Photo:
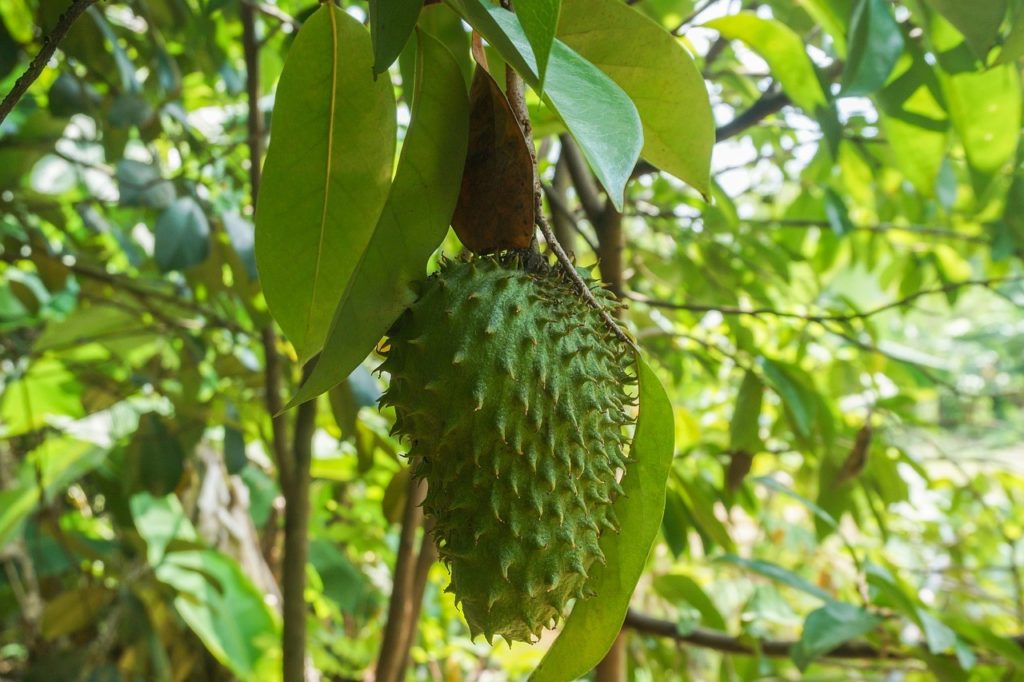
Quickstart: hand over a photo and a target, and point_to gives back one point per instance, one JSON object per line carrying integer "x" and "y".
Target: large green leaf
{"x": 657, "y": 73}
{"x": 413, "y": 223}
{"x": 875, "y": 44}
{"x": 599, "y": 115}
{"x": 985, "y": 107}
{"x": 391, "y": 25}
{"x": 784, "y": 51}
{"x": 214, "y": 597}
{"x": 540, "y": 21}
{"x": 828, "y": 627}
{"x": 593, "y": 624}
{"x": 979, "y": 22}
{"x": 326, "y": 176}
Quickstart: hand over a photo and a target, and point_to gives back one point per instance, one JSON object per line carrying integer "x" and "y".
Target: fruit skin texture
{"x": 512, "y": 394}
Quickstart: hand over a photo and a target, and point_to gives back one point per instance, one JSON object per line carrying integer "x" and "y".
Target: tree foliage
{"x": 814, "y": 214}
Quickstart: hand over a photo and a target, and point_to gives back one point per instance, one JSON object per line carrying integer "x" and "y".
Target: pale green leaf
{"x": 979, "y": 22}
{"x": 413, "y": 223}
{"x": 326, "y": 176}
{"x": 783, "y": 49}
{"x": 779, "y": 574}
{"x": 593, "y": 624}
{"x": 798, "y": 398}
{"x": 599, "y": 115}
{"x": 657, "y": 73}
{"x": 682, "y": 589}
{"x": 743, "y": 428}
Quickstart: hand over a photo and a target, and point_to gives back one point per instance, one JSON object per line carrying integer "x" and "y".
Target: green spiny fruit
{"x": 512, "y": 394}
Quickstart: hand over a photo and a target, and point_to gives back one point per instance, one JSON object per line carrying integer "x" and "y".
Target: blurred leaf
{"x": 391, "y": 26}
{"x": 600, "y": 116}
{"x": 73, "y": 610}
{"x": 783, "y": 49}
{"x": 678, "y": 588}
{"x": 978, "y": 22}
{"x": 796, "y": 396}
{"x": 240, "y": 232}
{"x": 495, "y": 209}
{"x": 657, "y": 72}
{"x": 140, "y": 184}
{"x": 593, "y": 624}
{"x": 828, "y": 627}
{"x": 158, "y": 454}
{"x": 875, "y": 43}
{"x": 779, "y": 574}
{"x": 182, "y": 236}
{"x": 229, "y": 617}
{"x": 343, "y": 583}
{"x": 744, "y": 427}
{"x": 412, "y": 224}
{"x": 322, "y": 193}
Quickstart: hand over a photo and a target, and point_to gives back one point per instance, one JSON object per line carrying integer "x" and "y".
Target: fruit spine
{"x": 513, "y": 396}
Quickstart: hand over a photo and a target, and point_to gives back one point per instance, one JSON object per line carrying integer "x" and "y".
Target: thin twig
{"x": 38, "y": 63}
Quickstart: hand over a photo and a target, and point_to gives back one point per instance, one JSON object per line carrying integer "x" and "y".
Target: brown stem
{"x": 38, "y": 63}
{"x": 398, "y": 631}
{"x": 296, "y": 542}
{"x": 426, "y": 559}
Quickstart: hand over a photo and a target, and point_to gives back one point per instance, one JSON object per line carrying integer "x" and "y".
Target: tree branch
{"x": 771, "y": 102}
{"x": 38, "y": 63}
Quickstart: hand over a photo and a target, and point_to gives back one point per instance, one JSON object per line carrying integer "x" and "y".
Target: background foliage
{"x": 838, "y": 328}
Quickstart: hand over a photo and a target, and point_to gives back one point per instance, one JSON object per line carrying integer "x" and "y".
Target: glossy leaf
{"x": 412, "y": 224}
{"x": 828, "y": 627}
{"x": 598, "y": 114}
{"x": 326, "y": 176}
{"x": 182, "y": 236}
{"x": 539, "y": 19}
{"x": 495, "y": 210}
{"x": 593, "y": 624}
{"x": 391, "y": 26}
{"x": 657, "y": 73}
{"x": 875, "y": 43}
{"x": 783, "y": 49}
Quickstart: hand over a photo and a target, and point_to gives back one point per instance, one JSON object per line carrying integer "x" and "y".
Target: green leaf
{"x": 797, "y": 398}
{"x": 326, "y": 176}
{"x": 599, "y": 115}
{"x": 743, "y": 428}
{"x": 875, "y": 43}
{"x": 593, "y": 624}
{"x": 913, "y": 117}
{"x": 214, "y": 597}
{"x": 818, "y": 512}
{"x": 778, "y": 574}
{"x": 658, "y": 74}
{"x": 828, "y": 627}
{"x": 682, "y": 589}
{"x": 783, "y": 49}
{"x": 391, "y": 25}
{"x": 978, "y": 21}
{"x": 140, "y": 184}
{"x": 182, "y": 236}
{"x": 412, "y": 224}
{"x": 539, "y": 19}
{"x": 985, "y": 107}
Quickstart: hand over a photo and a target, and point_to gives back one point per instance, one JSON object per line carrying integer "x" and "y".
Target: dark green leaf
{"x": 140, "y": 184}
{"x": 412, "y": 224}
{"x": 343, "y": 583}
{"x": 326, "y": 176}
{"x": 798, "y": 398}
{"x": 391, "y": 26}
{"x": 875, "y": 43}
{"x": 539, "y": 19}
{"x": 182, "y": 236}
{"x": 837, "y": 214}
{"x": 828, "y": 627}
{"x": 593, "y": 624}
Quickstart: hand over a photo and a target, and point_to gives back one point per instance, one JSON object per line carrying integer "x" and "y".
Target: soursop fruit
{"x": 514, "y": 398}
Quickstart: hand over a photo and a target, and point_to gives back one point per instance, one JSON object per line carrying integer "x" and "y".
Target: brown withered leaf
{"x": 495, "y": 207}
{"x": 855, "y": 462}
